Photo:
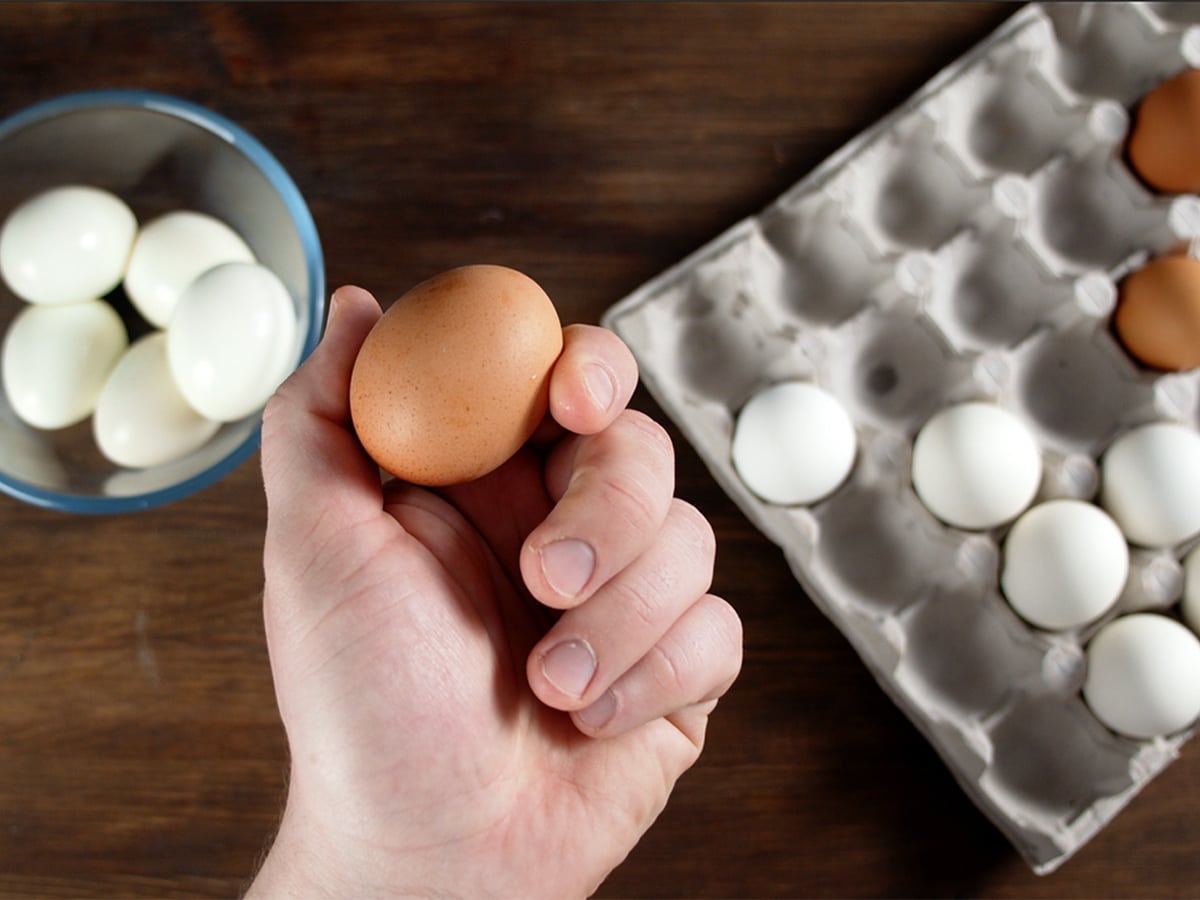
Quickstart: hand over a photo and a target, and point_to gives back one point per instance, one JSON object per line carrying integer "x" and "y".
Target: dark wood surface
{"x": 591, "y": 146}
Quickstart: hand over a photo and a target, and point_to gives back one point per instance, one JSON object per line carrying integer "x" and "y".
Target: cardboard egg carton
{"x": 968, "y": 246}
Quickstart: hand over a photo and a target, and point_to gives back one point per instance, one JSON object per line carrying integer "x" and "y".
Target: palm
{"x": 421, "y": 666}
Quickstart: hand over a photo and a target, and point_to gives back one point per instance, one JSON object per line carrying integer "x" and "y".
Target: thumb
{"x": 314, "y": 471}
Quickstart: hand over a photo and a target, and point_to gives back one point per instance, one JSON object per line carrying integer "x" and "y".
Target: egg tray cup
{"x": 966, "y": 247}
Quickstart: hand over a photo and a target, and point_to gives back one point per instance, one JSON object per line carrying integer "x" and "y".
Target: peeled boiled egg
{"x": 1165, "y": 133}
{"x": 141, "y": 417}
{"x": 66, "y": 245}
{"x": 1150, "y": 483}
{"x": 1143, "y": 675}
{"x": 170, "y": 252}
{"x": 454, "y": 377}
{"x": 56, "y": 359}
{"x": 1065, "y": 564}
{"x": 975, "y": 465}
{"x": 793, "y": 443}
{"x": 1158, "y": 313}
{"x": 232, "y": 340}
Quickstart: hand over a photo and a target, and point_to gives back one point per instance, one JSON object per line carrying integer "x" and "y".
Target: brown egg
{"x": 455, "y": 376}
{"x": 1158, "y": 313}
{"x": 1166, "y": 133}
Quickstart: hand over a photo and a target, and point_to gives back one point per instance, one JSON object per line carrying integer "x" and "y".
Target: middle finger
{"x": 594, "y": 643}
{"x": 611, "y": 492}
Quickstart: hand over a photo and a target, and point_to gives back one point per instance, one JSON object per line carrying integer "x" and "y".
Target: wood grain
{"x": 592, "y": 146}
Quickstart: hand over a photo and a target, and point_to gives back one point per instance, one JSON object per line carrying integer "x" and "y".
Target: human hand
{"x": 488, "y": 689}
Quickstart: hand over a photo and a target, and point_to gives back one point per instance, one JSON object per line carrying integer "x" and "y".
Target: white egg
{"x": 232, "y": 340}
{"x": 1190, "y": 602}
{"x": 793, "y": 443}
{"x": 170, "y": 252}
{"x": 1065, "y": 564}
{"x": 56, "y": 359}
{"x": 141, "y": 417}
{"x": 1150, "y": 483}
{"x": 1143, "y": 675}
{"x": 66, "y": 245}
{"x": 975, "y": 465}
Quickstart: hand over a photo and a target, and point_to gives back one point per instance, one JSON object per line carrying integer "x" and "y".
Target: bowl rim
{"x": 240, "y": 139}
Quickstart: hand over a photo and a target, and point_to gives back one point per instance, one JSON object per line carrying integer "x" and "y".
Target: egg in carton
{"x": 966, "y": 248}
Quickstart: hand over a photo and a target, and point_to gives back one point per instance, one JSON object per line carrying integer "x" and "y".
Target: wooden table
{"x": 591, "y": 146}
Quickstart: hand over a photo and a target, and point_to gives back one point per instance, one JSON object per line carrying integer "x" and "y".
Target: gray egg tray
{"x": 968, "y": 246}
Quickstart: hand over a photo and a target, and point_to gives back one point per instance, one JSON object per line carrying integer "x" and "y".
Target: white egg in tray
{"x": 964, "y": 255}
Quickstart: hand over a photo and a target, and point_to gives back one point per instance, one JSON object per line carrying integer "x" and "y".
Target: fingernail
{"x": 569, "y": 666}
{"x": 600, "y": 385}
{"x": 568, "y": 565}
{"x": 599, "y": 713}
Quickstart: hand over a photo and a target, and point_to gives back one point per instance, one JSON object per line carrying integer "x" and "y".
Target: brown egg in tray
{"x": 931, "y": 337}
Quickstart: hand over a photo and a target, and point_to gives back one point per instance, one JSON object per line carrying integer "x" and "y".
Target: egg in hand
{"x": 455, "y": 376}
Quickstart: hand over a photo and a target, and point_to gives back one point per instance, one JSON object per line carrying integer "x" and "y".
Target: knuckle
{"x": 633, "y": 503}
{"x": 728, "y": 627}
{"x": 692, "y": 534}
{"x": 669, "y": 675}
{"x": 697, "y": 530}
{"x": 641, "y": 493}
{"x": 705, "y": 661}
{"x": 643, "y": 601}
{"x": 649, "y": 433}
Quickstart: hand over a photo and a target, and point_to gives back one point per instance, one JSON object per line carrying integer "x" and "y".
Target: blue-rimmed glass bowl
{"x": 157, "y": 153}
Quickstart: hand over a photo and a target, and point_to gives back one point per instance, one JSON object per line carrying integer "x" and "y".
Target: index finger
{"x": 590, "y": 386}
{"x": 593, "y": 379}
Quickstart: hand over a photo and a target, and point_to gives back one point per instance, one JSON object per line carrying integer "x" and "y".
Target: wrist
{"x": 304, "y": 861}
{"x": 292, "y": 867}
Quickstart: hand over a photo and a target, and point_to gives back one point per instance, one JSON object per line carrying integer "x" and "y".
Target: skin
{"x": 489, "y": 689}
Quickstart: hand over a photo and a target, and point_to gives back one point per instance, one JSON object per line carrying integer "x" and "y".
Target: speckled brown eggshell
{"x": 455, "y": 376}
{"x": 1166, "y": 133}
{"x": 1158, "y": 313}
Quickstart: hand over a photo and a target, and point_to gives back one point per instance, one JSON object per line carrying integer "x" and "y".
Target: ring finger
{"x": 683, "y": 676}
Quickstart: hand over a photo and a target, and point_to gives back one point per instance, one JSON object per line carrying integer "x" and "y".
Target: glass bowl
{"x": 158, "y": 154}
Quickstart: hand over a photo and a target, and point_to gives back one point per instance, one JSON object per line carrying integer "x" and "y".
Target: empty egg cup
{"x": 159, "y": 154}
